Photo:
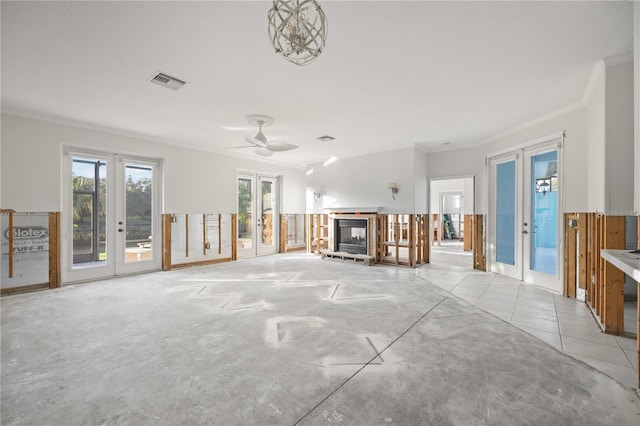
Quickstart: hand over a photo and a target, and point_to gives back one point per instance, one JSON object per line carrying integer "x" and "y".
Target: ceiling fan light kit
{"x": 297, "y": 30}
{"x": 262, "y": 145}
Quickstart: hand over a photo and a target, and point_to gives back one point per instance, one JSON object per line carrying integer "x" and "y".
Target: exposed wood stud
{"x": 55, "y": 275}
{"x": 479, "y": 259}
{"x": 468, "y": 232}
{"x": 613, "y": 315}
{"x": 220, "y": 233}
{"x": 570, "y": 257}
{"x": 234, "y": 236}
{"x": 582, "y": 250}
{"x": 204, "y": 234}
{"x": 186, "y": 235}
{"x": 10, "y": 244}
{"x": 166, "y": 242}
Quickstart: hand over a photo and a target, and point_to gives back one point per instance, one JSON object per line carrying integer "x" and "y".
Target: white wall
{"x": 194, "y": 181}
{"x": 421, "y": 182}
{"x": 636, "y": 73}
{"x": 619, "y": 157}
{"x": 462, "y": 185}
{"x": 471, "y": 161}
{"x": 596, "y": 142}
{"x": 361, "y": 182}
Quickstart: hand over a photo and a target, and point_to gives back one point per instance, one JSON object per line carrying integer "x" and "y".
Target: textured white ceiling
{"x": 393, "y": 73}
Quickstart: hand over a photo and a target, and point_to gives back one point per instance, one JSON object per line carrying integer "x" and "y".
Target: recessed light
{"x": 446, "y": 143}
{"x": 309, "y": 172}
{"x": 325, "y": 138}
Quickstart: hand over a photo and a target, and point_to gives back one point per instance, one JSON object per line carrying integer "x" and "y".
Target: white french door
{"x": 258, "y": 215}
{"x": 525, "y": 211}
{"x": 505, "y": 198}
{"x": 111, "y": 215}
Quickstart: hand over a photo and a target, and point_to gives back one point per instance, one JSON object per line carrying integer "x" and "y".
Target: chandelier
{"x": 297, "y": 30}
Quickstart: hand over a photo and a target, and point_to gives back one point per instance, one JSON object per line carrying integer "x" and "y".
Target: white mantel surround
{"x": 368, "y": 213}
{"x": 354, "y": 210}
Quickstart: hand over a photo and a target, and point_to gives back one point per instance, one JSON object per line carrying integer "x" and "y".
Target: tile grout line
{"x": 558, "y": 322}
{"x": 369, "y": 362}
{"x": 625, "y": 354}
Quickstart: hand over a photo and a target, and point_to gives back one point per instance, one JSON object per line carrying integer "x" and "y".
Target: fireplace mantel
{"x": 354, "y": 210}
{"x": 364, "y": 214}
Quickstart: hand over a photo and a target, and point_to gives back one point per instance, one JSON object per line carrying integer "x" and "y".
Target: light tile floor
{"x": 566, "y": 324}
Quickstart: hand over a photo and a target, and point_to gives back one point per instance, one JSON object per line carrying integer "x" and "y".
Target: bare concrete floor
{"x": 287, "y": 339}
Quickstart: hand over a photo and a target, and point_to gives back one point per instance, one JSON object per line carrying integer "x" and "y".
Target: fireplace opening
{"x": 351, "y": 236}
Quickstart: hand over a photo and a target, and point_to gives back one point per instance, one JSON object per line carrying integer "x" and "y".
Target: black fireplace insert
{"x": 351, "y": 235}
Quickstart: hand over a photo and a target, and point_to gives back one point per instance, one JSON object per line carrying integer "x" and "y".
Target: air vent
{"x": 325, "y": 138}
{"x": 167, "y": 81}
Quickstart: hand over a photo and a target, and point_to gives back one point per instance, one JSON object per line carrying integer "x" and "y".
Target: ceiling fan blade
{"x": 280, "y": 146}
{"x": 264, "y": 152}
{"x": 238, "y": 147}
{"x": 254, "y": 141}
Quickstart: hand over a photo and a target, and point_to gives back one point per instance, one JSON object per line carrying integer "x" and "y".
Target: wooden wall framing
{"x": 317, "y": 232}
{"x": 167, "y": 263}
{"x": 284, "y": 234}
{"x": 584, "y": 268}
{"x": 613, "y": 303}
{"x": 406, "y": 234}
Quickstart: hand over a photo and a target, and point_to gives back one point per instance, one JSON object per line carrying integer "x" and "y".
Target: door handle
{"x": 120, "y": 230}
{"x": 525, "y": 232}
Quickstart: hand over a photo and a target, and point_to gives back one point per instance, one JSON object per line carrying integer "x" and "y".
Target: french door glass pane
{"x": 267, "y": 213}
{"x": 245, "y": 213}
{"x": 139, "y": 212}
{"x": 544, "y": 211}
{"x": 506, "y": 212}
{"x": 89, "y": 210}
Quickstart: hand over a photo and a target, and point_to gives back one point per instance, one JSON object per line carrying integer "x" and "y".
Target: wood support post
{"x": 10, "y": 244}
{"x": 284, "y": 231}
{"x": 601, "y": 262}
{"x": 613, "y": 317}
{"x": 234, "y": 236}
{"x": 55, "y": 275}
{"x": 186, "y": 235}
{"x": 583, "y": 226}
{"x": 479, "y": 260}
{"x": 569, "y": 287}
{"x": 468, "y": 232}
{"x": 166, "y": 242}
{"x": 592, "y": 257}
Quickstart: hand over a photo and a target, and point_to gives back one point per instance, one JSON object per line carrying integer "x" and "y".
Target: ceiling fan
{"x": 262, "y": 145}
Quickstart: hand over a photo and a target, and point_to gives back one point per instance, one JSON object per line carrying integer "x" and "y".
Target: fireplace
{"x": 351, "y": 236}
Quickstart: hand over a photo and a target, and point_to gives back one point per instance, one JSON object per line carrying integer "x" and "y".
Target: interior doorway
{"x": 258, "y": 213}
{"x": 451, "y": 208}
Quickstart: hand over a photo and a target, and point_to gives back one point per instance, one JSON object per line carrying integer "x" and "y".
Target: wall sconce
{"x": 316, "y": 195}
{"x": 174, "y": 218}
{"x": 393, "y": 186}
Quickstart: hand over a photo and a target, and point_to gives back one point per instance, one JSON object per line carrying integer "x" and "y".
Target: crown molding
{"x": 618, "y": 59}
{"x": 597, "y": 70}
{"x": 136, "y": 136}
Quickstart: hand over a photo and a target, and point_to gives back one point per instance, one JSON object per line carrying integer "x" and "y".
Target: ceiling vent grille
{"x": 167, "y": 81}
